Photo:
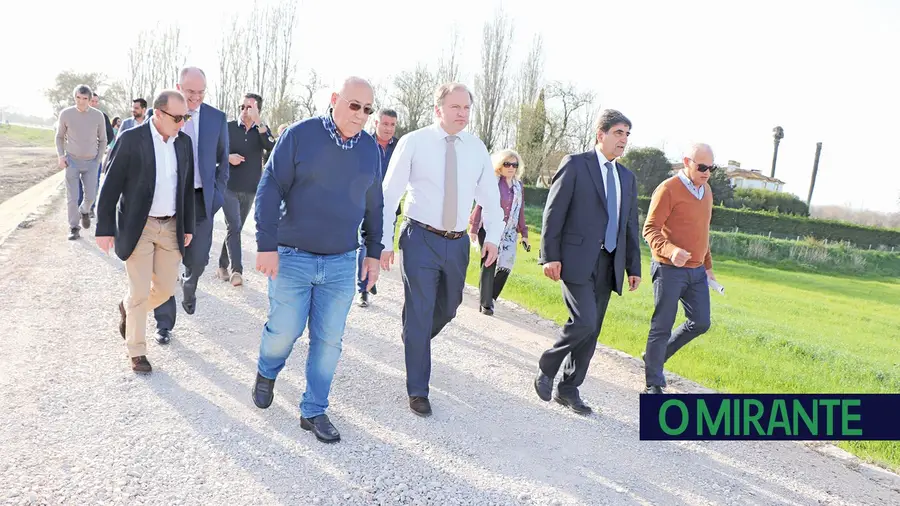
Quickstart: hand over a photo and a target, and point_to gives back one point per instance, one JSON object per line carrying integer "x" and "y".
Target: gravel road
{"x": 78, "y": 427}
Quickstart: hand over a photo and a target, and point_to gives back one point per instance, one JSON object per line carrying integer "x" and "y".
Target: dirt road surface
{"x": 78, "y": 427}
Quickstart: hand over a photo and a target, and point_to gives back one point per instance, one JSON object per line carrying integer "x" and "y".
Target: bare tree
{"x": 307, "y": 103}
{"x": 233, "y": 69}
{"x": 155, "y": 61}
{"x": 448, "y": 66}
{"x": 491, "y": 86}
{"x": 531, "y": 73}
{"x": 413, "y": 94}
{"x": 585, "y": 132}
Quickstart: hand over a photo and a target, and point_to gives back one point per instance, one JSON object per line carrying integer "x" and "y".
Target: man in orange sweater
{"x": 677, "y": 230}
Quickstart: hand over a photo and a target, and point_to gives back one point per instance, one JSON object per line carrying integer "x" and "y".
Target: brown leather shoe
{"x": 140, "y": 364}
{"x": 122, "y": 317}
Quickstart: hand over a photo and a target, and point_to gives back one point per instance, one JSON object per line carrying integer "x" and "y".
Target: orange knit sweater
{"x": 677, "y": 219}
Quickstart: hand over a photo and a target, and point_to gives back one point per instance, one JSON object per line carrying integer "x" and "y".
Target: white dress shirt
{"x": 192, "y": 128}
{"x": 166, "y": 175}
{"x": 602, "y": 159}
{"x": 417, "y": 167}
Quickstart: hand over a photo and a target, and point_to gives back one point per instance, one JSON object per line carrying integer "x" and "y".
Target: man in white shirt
{"x": 444, "y": 169}
{"x": 146, "y": 209}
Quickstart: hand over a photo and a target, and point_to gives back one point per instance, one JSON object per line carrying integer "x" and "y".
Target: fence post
{"x": 770, "y": 234}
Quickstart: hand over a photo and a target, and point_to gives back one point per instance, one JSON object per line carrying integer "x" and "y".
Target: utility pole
{"x": 812, "y": 182}
{"x": 778, "y": 135}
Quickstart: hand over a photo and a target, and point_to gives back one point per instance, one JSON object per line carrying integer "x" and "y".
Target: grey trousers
{"x": 85, "y": 173}
{"x": 670, "y": 285}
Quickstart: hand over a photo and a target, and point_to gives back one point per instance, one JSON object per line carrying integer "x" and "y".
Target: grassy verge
{"x": 27, "y": 137}
{"x": 775, "y": 330}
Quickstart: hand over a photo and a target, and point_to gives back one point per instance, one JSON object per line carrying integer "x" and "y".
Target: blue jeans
{"x": 314, "y": 288}
{"x": 360, "y": 256}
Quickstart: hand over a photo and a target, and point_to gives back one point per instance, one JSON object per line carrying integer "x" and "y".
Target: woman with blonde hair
{"x": 508, "y": 167}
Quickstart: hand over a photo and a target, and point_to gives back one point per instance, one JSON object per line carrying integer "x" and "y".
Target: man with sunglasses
{"x": 249, "y": 138}
{"x": 208, "y": 129}
{"x": 677, "y": 230}
{"x": 327, "y": 173}
{"x": 146, "y": 210}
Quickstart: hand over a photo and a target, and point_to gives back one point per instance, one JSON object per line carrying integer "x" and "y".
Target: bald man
{"x": 327, "y": 171}
{"x": 677, "y": 230}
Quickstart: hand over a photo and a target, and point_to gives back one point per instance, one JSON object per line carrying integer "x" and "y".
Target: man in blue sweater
{"x": 327, "y": 172}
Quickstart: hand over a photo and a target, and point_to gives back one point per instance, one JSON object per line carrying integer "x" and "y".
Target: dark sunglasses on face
{"x": 355, "y": 106}
{"x": 178, "y": 118}
{"x": 703, "y": 167}
{"x": 514, "y": 165}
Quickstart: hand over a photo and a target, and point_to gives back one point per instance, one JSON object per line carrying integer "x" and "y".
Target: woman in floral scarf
{"x": 508, "y": 168}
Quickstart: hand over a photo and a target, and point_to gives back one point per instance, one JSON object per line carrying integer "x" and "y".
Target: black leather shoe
{"x": 122, "y": 318}
{"x": 573, "y": 400}
{"x": 74, "y": 234}
{"x": 163, "y": 336}
{"x": 263, "y": 391}
{"x": 374, "y": 290}
{"x": 654, "y": 389}
{"x": 487, "y": 311}
{"x": 189, "y": 305}
{"x": 543, "y": 385}
{"x": 420, "y": 406}
{"x": 322, "y": 427}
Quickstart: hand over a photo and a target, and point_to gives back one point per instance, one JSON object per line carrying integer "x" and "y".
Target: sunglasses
{"x": 703, "y": 167}
{"x": 177, "y": 117}
{"x": 355, "y": 106}
{"x": 514, "y": 165}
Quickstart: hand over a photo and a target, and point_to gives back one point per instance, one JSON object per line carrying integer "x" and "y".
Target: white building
{"x": 751, "y": 179}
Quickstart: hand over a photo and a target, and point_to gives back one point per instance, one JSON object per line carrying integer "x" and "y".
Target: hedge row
{"x": 774, "y": 224}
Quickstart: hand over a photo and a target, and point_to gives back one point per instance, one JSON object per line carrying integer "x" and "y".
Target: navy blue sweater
{"x": 327, "y": 192}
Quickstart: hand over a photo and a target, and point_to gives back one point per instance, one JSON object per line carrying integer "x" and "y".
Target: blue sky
{"x": 724, "y": 73}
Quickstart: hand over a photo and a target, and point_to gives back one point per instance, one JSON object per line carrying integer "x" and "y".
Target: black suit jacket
{"x": 127, "y": 193}
{"x": 575, "y": 220}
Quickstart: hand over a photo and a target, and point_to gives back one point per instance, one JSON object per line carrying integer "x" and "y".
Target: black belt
{"x": 442, "y": 233}
{"x": 163, "y": 218}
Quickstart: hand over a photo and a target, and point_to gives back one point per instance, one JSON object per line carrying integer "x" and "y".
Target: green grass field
{"x": 774, "y": 331}
{"x": 27, "y": 137}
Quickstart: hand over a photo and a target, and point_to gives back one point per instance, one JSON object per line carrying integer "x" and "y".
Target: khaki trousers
{"x": 152, "y": 275}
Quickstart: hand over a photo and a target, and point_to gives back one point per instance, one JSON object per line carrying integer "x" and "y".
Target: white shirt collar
{"x": 602, "y": 158}
{"x": 158, "y": 135}
{"x": 442, "y": 134}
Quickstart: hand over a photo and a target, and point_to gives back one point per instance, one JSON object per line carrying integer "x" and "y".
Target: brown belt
{"x": 442, "y": 233}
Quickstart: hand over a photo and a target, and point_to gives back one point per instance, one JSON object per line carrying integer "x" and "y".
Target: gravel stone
{"x": 72, "y": 412}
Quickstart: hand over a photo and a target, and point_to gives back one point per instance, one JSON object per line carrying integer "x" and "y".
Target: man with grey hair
{"x": 146, "y": 211}
{"x": 677, "y": 230}
{"x": 443, "y": 169}
{"x": 80, "y": 143}
{"x": 208, "y": 131}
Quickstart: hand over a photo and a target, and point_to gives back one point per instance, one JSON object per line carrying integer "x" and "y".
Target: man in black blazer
{"x": 146, "y": 208}
{"x": 590, "y": 239}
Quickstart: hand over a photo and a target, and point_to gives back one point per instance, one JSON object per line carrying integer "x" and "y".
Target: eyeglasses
{"x": 355, "y": 106}
{"x": 514, "y": 165}
{"x": 703, "y": 167}
{"x": 178, "y": 118}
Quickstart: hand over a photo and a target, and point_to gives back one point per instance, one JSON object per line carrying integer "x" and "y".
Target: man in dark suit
{"x": 590, "y": 238}
{"x": 146, "y": 209}
{"x": 208, "y": 130}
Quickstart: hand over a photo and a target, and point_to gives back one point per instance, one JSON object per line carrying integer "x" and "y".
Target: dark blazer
{"x": 127, "y": 193}
{"x": 212, "y": 156}
{"x": 575, "y": 220}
